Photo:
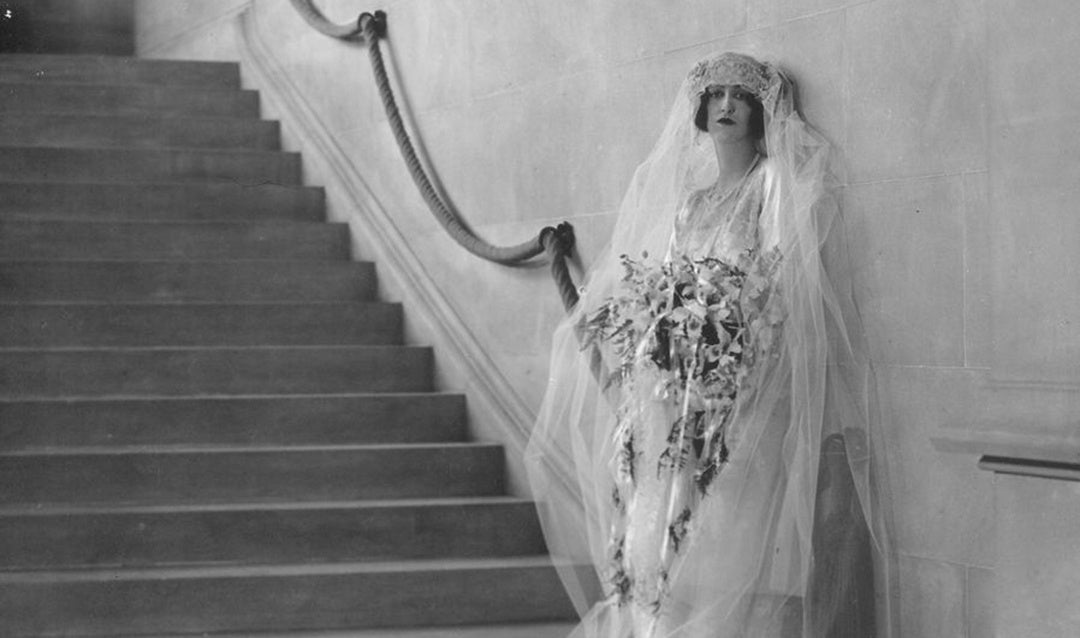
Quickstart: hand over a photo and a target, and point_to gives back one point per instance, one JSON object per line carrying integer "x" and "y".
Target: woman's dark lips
{"x": 725, "y": 120}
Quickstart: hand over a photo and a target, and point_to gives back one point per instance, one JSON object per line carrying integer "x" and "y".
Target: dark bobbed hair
{"x": 757, "y": 115}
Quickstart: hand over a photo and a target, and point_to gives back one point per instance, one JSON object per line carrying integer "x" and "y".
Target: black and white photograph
{"x": 539, "y": 319}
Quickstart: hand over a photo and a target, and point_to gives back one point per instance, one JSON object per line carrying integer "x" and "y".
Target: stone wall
{"x": 956, "y": 120}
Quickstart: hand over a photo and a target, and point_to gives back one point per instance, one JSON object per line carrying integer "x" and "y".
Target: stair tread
{"x": 141, "y": 154}
{"x": 175, "y": 201}
{"x": 138, "y": 117}
{"x": 127, "y": 99}
{"x": 129, "y": 240}
{"x": 137, "y": 130}
{"x": 517, "y": 630}
{"x": 162, "y": 450}
{"x": 194, "y": 262}
{"x": 255, "y": 303}
{"x": 148, "y": 151}
{"x": 270, "y": 419}
{"x": 230, "y": 397}
{"x": 9, "y": 510}
{"x": 213, "y": 370}
{"x": 247, "y": 166}
{"x": 143, "y": 280}
{"x": 149, "y": 184}
{"x": 138, "y": 186}
{"x": 214, "y": 348}
{"x": 177, "y": 223}
{"x": 99, "y": 84}
{"x": 279, "y": 570}
{"x": 69, "y": 84}
{"x": 9, "y": 60}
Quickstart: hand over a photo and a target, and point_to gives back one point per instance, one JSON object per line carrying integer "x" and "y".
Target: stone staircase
{"x": 208, "y": 423}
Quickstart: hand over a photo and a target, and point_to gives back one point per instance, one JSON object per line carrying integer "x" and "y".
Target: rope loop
{"x": 314, "y": 17}
{"x": 372, "y": 25}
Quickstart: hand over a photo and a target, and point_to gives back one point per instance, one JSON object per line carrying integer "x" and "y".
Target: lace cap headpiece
{"x": 731, "y": 68}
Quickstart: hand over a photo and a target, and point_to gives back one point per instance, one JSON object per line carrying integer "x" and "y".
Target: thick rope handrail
{"x": 449, "y": 221}
{"x": 316, "y": 19}
{"x": 556, "y": 242}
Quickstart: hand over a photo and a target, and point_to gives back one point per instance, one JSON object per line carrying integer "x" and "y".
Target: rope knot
{"x": 372, "y": 25}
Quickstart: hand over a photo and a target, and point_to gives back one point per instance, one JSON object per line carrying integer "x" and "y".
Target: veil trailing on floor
{"x": 791, "y": 538}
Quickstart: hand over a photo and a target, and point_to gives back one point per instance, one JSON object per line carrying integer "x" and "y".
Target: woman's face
{"x": 729, "y": 113}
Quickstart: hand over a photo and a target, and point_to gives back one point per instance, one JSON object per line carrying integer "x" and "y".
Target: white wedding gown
{"x": 728, "y": 533}
{"x": 759, "y": 550}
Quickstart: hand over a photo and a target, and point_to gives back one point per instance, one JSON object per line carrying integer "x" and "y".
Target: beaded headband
{"x": 730, "y": 68}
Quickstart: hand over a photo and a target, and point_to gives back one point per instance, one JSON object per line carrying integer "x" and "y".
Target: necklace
{"x": 717, "y": 197}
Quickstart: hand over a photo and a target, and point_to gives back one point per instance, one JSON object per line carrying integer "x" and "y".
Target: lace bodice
{"x": 718, "y": 224}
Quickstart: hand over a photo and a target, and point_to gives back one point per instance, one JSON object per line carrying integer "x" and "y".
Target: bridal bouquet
{"x": 685, "y": 331}
{"x": 701, "y": 322}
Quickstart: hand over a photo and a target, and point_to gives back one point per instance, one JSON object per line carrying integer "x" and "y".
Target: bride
{"x": 704, "y": 450}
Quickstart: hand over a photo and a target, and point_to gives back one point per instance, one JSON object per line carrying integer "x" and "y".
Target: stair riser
{"x": 180, "y": 377}
{"x": 236, "y": 421}
{"x": 199, "y": 325}
{"x": 442, "y": 597}
{"x": 151, "y": 202}
{"x": 194, "y": 477}
{"x": 122, "y": 165}
{"x": 560, "y": 629}
{"x": 203, "y": 372}
{"x": 73, "y": 36}
{"x": 73, "y": 131}
{"x": 270, "y": 536}
{"x": 161, "y": 282}
{"x": 127, "y": 100}
{"x": 114, "y": 70}
{"x": 131, "y": 241}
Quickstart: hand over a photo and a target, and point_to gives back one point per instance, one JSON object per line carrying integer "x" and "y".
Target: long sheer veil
{"x": 777, "y": 557}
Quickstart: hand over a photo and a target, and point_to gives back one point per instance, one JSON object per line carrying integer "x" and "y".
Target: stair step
{"x": 148, "y": 165}
{"x": 134, "y": 99}
{"x": 283, "y": 598}
{"x": 146, "y": 131}
{"x": 192, "y": 281}
{"x": 67, "y": 240}
{"x": 162, "y": 476}
{"x": 206, "y": 423}
{"x": 74, "y": 35}
{"x": 124, "y": 372}
{"x": 266, "y": 420}
{"x": 105, "y": 69}
{"x": 104, "y": 537}
{"x": 152, "y": 202}
{"x": 516, "y": 630}
{"x": 128, "y": 325}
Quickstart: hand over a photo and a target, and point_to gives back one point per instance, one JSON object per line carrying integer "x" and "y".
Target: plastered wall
{"x": 957, "y": 120}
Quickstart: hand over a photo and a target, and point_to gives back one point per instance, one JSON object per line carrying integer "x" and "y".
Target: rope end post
{"x": 372, "y": 25}
{"x": 558, "y": 239}
{"x": 557, "y": 243}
